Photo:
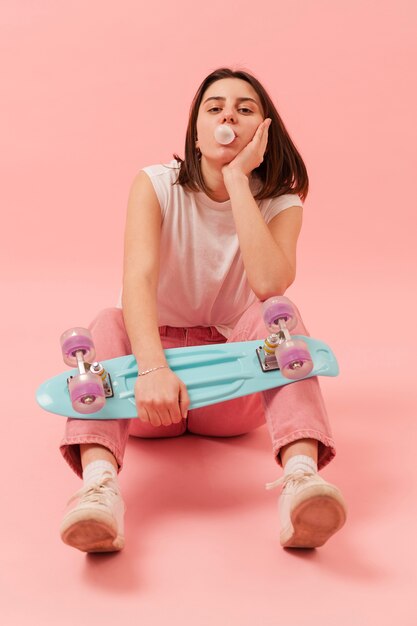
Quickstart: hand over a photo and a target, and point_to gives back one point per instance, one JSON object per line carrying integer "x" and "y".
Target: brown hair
{"x": 282, "y": 169}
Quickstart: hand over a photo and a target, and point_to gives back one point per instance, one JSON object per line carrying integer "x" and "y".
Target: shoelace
{"x": 96, "y": 492}
{"x": 296, "y": 478}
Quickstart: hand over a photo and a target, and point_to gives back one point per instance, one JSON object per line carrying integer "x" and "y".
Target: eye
{"x": 243, "y": 109}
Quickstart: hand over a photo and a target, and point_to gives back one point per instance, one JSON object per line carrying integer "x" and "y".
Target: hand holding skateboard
{"x": 211, "y": 373}
{"x": 161, "y": 398}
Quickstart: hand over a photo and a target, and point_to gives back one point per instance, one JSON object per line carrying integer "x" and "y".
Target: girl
{"x": 207, "y": 239}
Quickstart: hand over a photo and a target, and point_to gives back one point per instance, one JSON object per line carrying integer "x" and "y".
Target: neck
{"x": 213, "y": 177}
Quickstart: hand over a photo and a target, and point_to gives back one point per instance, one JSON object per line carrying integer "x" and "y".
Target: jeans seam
{"x": 81, "y": 439}
{"x": 328, "y": 442}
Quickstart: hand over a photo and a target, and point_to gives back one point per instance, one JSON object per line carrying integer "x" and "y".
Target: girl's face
{"x": 232, "y": 101}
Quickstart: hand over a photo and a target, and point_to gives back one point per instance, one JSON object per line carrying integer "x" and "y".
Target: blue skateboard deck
{"x": 212, "y": 373}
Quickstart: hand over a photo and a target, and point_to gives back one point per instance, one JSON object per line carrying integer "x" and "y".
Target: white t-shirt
{"x": 202, "y": 280}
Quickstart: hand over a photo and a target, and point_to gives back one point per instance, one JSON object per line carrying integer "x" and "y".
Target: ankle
{"x": 304, "y": 447}
{"x": 91, "y": 452}
{"x": 96, "y": 471}
{"x": 301, "y": 463}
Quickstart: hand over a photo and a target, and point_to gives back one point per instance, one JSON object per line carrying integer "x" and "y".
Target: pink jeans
{"x": 294, "y": 411}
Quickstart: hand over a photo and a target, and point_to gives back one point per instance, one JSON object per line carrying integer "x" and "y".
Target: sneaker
{"x": 95, "y": 524}
{"x": 310, "y": 510}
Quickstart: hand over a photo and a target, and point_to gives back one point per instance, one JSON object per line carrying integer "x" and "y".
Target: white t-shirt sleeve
{"x": 276, "y": 205}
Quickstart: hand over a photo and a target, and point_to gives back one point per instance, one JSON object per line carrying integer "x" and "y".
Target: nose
{"x": 228, "y": 117}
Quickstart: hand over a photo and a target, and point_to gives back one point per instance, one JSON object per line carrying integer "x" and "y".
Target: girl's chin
{"x": 218, "y": 161}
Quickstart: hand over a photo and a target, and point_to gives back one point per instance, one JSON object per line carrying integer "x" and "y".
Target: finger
{"x": 175, "y": 413}
{"x": 154, "y": 417}
{"x": 171, "y": 414}
{"x": 261, "y": 132}
{"x": 184, "y": 401}
{"x": 168, "y": 411}
{"x": 258, "y": 133}
{"x": 141, "y": 411}
{"x": 264, "y": 141}
{"x": 265, "y": 126}
{"x": 143, "y": 416}
{"x": 165, "y": 416}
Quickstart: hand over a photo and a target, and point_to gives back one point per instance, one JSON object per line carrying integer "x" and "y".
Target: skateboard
{"x": 212, "y": 373}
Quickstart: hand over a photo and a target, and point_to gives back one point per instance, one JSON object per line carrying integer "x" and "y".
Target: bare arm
{"x": 161, "y": 397}
{"x": 141, "y": 271}
{"x": 268, "y": 250}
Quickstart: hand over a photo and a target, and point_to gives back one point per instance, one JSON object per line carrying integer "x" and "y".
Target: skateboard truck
{"x": 94, "y": 368}
{"x": 98, "y": 369}
{"x": 266, "y": 353}
{"x": 89, "y": 388}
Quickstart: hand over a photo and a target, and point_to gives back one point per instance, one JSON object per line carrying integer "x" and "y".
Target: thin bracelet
{"x": 152, "y": 370}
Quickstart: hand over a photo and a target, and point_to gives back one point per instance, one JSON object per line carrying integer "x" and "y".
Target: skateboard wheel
{"x": 86, "y": 393}
{"x": 279, "y": 307}
{"x": 294, "y": 359}
{"x": 76, "y": 339}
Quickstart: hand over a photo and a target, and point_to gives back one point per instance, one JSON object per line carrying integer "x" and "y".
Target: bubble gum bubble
{"x": 224, "y": 134}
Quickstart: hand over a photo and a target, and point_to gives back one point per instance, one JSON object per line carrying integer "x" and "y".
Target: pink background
{"x": 90, "y": 93}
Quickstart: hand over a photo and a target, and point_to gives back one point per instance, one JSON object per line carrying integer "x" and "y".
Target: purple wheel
{"x": 76, "y": 339}
{"x": 294, "y": 359}
{"x": 86, "y": 393}
{"x": 279, "y": 307}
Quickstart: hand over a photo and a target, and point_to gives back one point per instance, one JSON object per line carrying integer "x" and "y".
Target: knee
{"x": 109, "y": 334}
{"x": 108, "y": 318}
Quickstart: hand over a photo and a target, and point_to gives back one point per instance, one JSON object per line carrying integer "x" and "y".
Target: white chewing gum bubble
{"x": 224, "y": 134}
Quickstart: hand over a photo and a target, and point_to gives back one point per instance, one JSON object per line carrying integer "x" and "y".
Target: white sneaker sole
{"x": 91, "y": 532}
{"x": 314, "y": 519}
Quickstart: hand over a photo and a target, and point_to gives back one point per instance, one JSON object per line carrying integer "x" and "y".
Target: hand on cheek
{"x": 251, "y": 156}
